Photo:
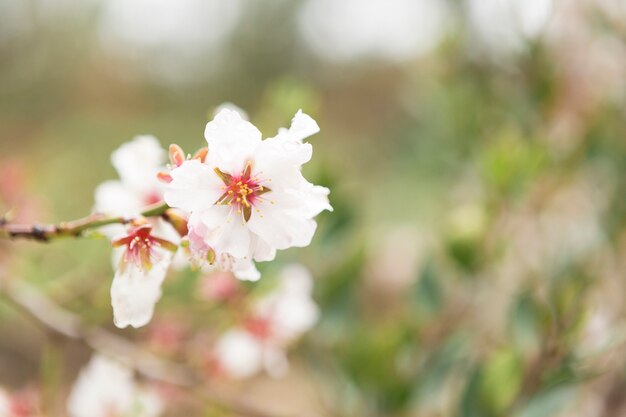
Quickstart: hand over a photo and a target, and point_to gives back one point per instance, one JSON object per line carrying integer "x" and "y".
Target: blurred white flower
{"x": 106, "y": 388}
{"x": 505, "y": 25}
{"x": 239, "y": 354}
{"x": 276, "y": 321}
{"x": 171, "y": 38}
{"x": 388, "y": 29}
{"x": 137, "y": 162}
{"x": 249, "y": 198}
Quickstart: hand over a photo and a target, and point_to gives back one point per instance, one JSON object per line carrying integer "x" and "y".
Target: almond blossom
{"x": 137, "y": 283}
{"x": 137, "y": 162}
{"x": 106, "y": 388}
{"x": 249, "y": 198}
{"x": 275, "y": 322}
{"x": 144, "y": 253}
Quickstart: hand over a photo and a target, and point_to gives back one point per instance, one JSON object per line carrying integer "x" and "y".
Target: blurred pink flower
{"x": 276, "y": 321}
{"x": 219, "y": 286}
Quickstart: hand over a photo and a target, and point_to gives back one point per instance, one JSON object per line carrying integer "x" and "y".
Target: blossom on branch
{"x": 248, "y": 198}
{"x": 143, "y": 253}
{"x": 137, "y": 283}
{"x": 137, "y": 162}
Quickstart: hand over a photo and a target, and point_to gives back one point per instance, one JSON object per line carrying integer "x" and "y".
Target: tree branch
{"x": 75, "y": 228}
{"x": 53, "y": 319}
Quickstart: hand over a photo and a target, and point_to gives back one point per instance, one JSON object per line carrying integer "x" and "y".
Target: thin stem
{"x": 74, "y": 228}
{"x": 52, "y": 319}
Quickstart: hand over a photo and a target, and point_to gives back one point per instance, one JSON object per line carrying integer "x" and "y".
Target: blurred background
{"x": 475, "y": 151}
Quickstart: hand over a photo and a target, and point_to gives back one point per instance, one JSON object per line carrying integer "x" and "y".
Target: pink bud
{"x": 177, "y": 156}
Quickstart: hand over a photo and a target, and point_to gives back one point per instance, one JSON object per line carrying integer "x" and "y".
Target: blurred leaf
{"x": 510, "y": 162}
{"x": 502, "y": 377}
{"x": 526, "y": 323}
{"x": 471, "y": 404}
{"x": 549, "y": 403}
{"x": 427, "y": 293}
{"x": 438, "y": 366}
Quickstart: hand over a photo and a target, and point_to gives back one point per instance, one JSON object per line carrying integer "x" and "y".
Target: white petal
{"x": 302, "y": 126}
{"x": 239, "y": 354}
{"x": 135, "y": 291}
{"x": 278, "y": 162}
{"x": 245, "y": 270}
{"x": 103, "y": 387}
{"x": 261, "y": 250}
{"x": 315, "y": 199}
{"x": 138, "y": 161}
{"x": 281, "y": 228}
{"x": 231, "y": 140}
{"x": 194, "y": 187}
{"x": 227, "y": 232}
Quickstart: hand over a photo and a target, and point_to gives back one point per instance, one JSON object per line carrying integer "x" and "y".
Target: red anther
{"x": 140, "y": 246}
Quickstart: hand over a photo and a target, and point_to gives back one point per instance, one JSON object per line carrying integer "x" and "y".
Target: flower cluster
{"x": 248, "y": 198}
{"x": 236, "y": 201}
{"x": 273, "y": 323}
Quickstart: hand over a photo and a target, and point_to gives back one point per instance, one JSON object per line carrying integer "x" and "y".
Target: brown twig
{"x": 55, "y": 320}
{"x": 75, "y": 228}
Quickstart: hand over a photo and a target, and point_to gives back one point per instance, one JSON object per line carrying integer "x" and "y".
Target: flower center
{"x": 140, "y": 246}
{"x": 241, "y": 191}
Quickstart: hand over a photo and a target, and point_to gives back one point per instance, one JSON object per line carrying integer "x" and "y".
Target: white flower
{"x": 136, "y": 286}
{"x": 277, "y": 320}
{"x": 137, "y": 162}
{"x": 106, "y": 388}
{"x": 393, "y": 30}
{"x": 506, "y": 25}
{"x": 173, "y": 44}
{"x": 137, "y": 283}
{"x": 249, "y": 194}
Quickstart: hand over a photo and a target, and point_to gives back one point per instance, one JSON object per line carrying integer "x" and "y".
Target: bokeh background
{"x": 476, "y": 156}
